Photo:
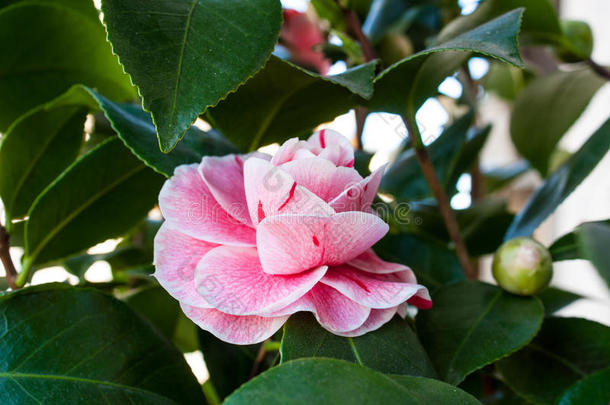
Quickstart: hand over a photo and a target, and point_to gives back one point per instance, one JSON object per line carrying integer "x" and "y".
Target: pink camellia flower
{"x": 301, "y": 35}
{"x": 249, "y": 240}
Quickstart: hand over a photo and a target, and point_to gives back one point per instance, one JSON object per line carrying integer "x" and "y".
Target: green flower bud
{"x": 522, "y": 266}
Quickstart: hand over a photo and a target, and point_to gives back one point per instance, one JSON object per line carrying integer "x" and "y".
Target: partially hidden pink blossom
{"x": 250, "y": 239}
{"x": 302, "y": 37}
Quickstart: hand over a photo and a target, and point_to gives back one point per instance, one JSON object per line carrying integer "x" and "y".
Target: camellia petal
{"x": 188, "y": 205}
{"x": 371, "y": 263}
{"x": 239, "y": 330}
{"x": 271, "y": 191}
{"x": 377, "y": 318}
{"x": 378, "y": 291}
{"x": 232, "y": 280}
{"x": 290, "y": 244}
{"x": 176, "y": 256}
{"x": 360, "y": 196}
{"x": 224, "y": 176}
{"x": 322, "y": 177}
{"x": 341, "y": 152}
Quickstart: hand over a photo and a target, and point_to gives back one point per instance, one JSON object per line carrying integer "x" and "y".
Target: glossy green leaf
{"x": 546, "y": 109}
{"x": 404, "y": 178}
{"x": 186, "y": 55}
{"x": 62, "y": 344}
{"x": 555, "y": 299}
{"x": 473, "y": 324}
{"x": 87, "y": 205}
{"x": 157, "y": 306}
{"x": 433, "y": 262}
{"x": 561, "y": 183}
{"x": 62, "y": 47}
{"x": 229, "y": 365}
{"x": 283, "y": 101}
{"x": 34, "y": 151}
{"x": 329, "y": 381}
{"x": 403, "y": 87}
{"x": 565, "y": 350}
{"x": 591, "y": 390}
{"x": 391, "y": 349}
{"x": 134, "y": 127}
{"x": 540, "y": 22}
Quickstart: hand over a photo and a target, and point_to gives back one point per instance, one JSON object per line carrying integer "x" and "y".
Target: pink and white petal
{"x": 421, "y": 300}
{"x": 238, "y": 330}
{"x": 271, "y": 191}
{"x": 289, "y": 150}
{"x": 371, "y": 263}
{"x": 328, "y": 139}
{"x": 224, "y": 176}
{"x": 321, "y": 176}
{"x": 232, "y": 280}
{"x": 403, "y": 310}
{"x": 371, "y": 290}
{"x": 376, "y": 320}
{"x": 360, "y": 196}
{"x": 290, "y": 244}
{"x": 175, "y": 259}
{"x": 335, "y": 312}
{"x": 187, "y": 204}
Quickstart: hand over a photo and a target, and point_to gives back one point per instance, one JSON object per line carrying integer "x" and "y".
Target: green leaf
{"x": 62, "y": 344}
{"x": 434, "y": 263}
{"x": 186, "y": 55}
{"x": 561, "y": 183}
{"x": 568, "y": 247}
{"x": 553, "y": 299}
{"x": 540, "y": 22}
{"x": 102, "y": 195}
{"x": 34, "y": 151}
{"x": 594, "y": 242}
{"x": 473, "y": 324}
{"x": 329, "y": 381}
{"x": 591, "y": 390}
{"x": 62, "y": 47}
{"x": 403, "y": 87}
{"x": 135, "y": 128}
{"x": 85, "y": 7}
{"x": 157, "y": 306}
{"x": 546, "y": 109}
{"x": 229, "y": 365}
{"x": 565, "y": 350}
{"x": 504, "y": 80}
{"x": 283, "y": 101}
{"x": 404, "y": 178}
{"x": 392, "y": 349}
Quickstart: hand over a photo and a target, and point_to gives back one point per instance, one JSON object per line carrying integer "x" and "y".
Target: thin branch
{"x": 260, "y": 356}
{"x": 353, "y": 23}
{"x": 361, "y": 114}
{"x": 7, "y": 261}
{"x": 599, "y": 69}
{"x": 441, "y": 198}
